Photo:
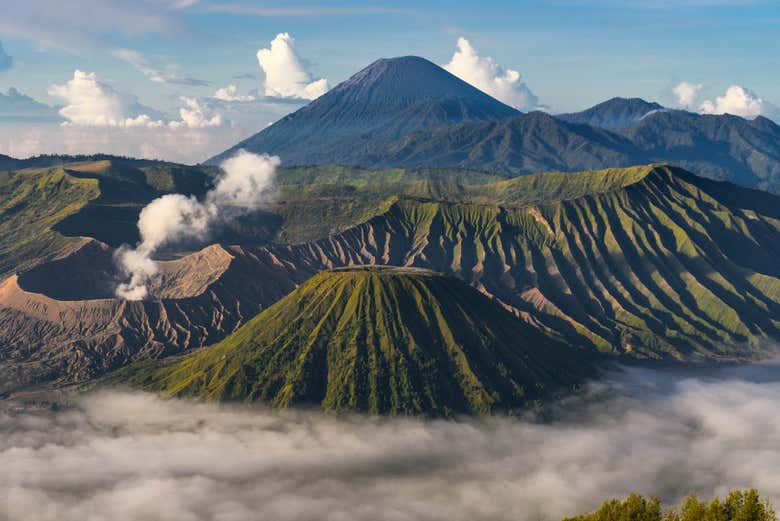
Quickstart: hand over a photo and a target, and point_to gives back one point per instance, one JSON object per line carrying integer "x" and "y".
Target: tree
{"x": 739, "y": 506}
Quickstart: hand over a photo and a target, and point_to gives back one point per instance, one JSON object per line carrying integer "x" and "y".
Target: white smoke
{"x": 127, "y": 457}
{"x": 245, "y": 184}
{"x": 167, "y": 219}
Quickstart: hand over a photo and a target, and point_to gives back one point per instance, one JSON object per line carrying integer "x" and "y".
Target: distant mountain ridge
{"x": 727, "y": 148}
{"x": 615, "y": 114}
{"x": 519, "y": 145}
{"x": 722, "y": 147}
{"x": 8, "y": 163}
{"x": 408, "y": 112}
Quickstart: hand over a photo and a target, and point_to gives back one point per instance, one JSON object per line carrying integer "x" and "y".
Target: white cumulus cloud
{"x": 173, "y": 142}
{"x": 486, "y": 75}
{"x": 738, "y": 101}
{"x": 197, "y": 114}
{"x": 687, "y": 93}
{"x": 89, "y": 101}
{"x": 285, "y": 74}
{"x": 92, "y": 102}
{"x": 230, "y": 93}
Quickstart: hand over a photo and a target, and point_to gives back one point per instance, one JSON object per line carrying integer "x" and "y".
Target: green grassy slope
{"x": 125, "y": 188}
{"x": 43, "y": 207}
{"x": 380, "y": 340}
{"x": 315, "y": 202}
{"x": 312, "y": 202}
{"x": 31, "y": 202}
{"x": 354, "y": 176}
{"x": 656, "y": 263}
{"x": 647, "y": 261}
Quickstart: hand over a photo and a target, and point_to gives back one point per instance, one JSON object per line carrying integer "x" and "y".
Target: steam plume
{"x": 245, "y": 184}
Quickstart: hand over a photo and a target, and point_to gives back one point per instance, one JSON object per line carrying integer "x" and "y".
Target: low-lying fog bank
{"x": 123, "y": 456}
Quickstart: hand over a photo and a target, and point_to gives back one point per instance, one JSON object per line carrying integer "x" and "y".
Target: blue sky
{"x": 570, "y": 53}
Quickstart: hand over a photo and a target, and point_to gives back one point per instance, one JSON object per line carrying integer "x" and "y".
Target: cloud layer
{"x": 179, "y": 143}
{"x": 132, "y": 456}
{"x": 183, "y": 145}
{"x": 489, "y": 77}
{"x": 16, "y": 106}
{"x": 102, "y": 119}
{"x": 285, "y": 74}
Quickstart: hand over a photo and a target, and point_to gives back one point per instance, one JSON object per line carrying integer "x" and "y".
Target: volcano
{"x": 385, "y": 101}
{"x": 381, "y": 340}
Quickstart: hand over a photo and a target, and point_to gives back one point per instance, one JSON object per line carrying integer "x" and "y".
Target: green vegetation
{"x": 353, "y": 176}
{"x": 312, "y": 202}
{"x": 43, "y": 208}
{"x": 738, "y": 506}
{"x": 556, "y": 186}
{"x": 126, "y": 186}
{"x": 379, "y": 340}
{"x": 315, "y": 202}
{"x": 655, "y": 263}
{"x": 649, "y": 262}
{"x": 31, "y": 203}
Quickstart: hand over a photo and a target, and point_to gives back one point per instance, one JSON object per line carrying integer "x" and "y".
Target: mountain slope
{"x": 380, "y": 340}
{"x": 44, "y": 208}
{"x": 408, "y": 112}
{"x": 519, "y": 145}
{"x": 650, "y": 262}
{"x": 384, "y": 101}
{"x": 8, "y": 163}
{"x": 32, "y": 203}
{"x": 723, "y": 147}
{"x": 615, "y": 114}
{"x": 645, "y": 262}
